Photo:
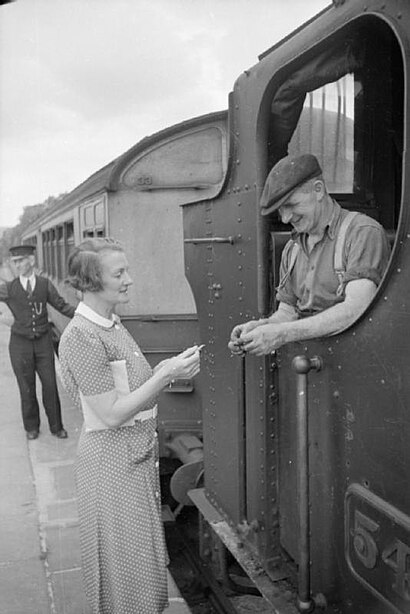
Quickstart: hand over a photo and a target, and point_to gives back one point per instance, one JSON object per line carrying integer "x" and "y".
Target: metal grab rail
{"x": 302, "y": 365}
{"x": 195, "y": 240}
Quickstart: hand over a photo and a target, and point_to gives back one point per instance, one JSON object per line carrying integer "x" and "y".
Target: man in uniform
{"x": 31, "y": 348}
{"x": 314, "y": 299}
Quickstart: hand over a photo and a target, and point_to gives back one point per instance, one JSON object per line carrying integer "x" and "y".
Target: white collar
{"x": 86, "y": 311}
{"x": 24, "y": 281}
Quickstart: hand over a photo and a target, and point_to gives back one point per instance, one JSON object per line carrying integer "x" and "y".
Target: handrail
{"x": 194, "y": 240}
{"x": 302, "y": 365}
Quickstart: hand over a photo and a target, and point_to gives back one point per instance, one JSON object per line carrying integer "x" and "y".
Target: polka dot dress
{"x": 123, "y": 550}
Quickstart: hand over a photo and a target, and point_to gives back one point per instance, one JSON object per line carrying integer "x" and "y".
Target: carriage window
{"x": 93, "y": 220}
{"x": 326, "y": 129}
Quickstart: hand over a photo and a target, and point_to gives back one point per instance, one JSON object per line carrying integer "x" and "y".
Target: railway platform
{"x": 39, "y": 543}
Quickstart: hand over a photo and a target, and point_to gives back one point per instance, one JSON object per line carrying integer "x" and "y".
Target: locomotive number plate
{"x": 377, "y": 547}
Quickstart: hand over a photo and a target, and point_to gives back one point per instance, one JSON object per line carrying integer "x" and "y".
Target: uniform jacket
{"x": 30, "y": 313}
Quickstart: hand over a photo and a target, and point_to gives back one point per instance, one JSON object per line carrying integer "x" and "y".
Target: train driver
{"x": 316, "y": 296}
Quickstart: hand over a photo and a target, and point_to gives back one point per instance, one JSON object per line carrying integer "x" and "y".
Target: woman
{"x": 122, "y": 544}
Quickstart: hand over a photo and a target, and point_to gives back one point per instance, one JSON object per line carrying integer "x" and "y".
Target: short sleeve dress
{"x": 123, "y": 550}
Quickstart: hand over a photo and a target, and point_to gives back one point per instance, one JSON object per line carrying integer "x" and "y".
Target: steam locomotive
{"x": 316, "y": 497}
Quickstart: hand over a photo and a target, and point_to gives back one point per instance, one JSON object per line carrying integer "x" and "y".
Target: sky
{"x": 82, "y": 81}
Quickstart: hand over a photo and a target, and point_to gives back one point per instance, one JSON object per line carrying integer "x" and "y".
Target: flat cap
{"x": 287, "y": 175}
{"x": 20, "y": 251}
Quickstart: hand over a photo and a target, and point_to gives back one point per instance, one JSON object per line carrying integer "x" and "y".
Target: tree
{"x": 12, "y": 236}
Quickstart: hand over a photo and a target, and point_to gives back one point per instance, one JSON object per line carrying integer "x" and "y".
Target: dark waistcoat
{"x": 30, "y": 313}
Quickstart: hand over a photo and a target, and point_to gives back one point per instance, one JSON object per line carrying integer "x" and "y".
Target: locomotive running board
{"x": 264, "y": 583}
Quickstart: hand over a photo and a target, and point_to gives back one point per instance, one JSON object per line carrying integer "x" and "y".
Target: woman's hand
{"x": 183, "y": 366}
{"x": 160, "y": 365}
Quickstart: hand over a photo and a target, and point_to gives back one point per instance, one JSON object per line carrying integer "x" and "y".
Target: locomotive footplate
{"x": 268, "y": 588}
{"x": 377, "y": 547}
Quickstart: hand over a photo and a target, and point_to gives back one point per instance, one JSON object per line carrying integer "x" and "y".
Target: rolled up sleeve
{"x": 367, "y": 253}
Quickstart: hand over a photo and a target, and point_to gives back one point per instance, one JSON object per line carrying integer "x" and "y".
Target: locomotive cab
{"x": 335, "y": 88}
{"x": 354, "y": 125}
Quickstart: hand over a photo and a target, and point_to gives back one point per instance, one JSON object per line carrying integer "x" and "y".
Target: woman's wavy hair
{"x": 84, "y": 263}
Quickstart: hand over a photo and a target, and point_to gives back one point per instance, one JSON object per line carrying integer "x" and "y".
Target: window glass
{"x": 99, "y": 214}
{"x": 89, "y": 216}
{"x": 70, "y": 231}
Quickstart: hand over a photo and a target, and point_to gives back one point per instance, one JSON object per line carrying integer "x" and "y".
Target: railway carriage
{"x": 311, "y": 497}
{"x": 136, "y": 199}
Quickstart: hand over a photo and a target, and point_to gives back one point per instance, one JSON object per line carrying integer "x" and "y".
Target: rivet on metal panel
{"x": 336, "y": 394}
{"x": 399, "y": 270}
{"x": 239, "y": 219}
{"x": 239, "y": 236}
{"x": 240, "y": 267}
{"x": 382, "y": 381}
{"x": 237, "y": 133}
{"x": 240, "y": 283}
{"x": 238, "y": 162}
{"x": 240, "y": 298}
{"x": 370, "y": 319}
{"x": 385, "y": 298}
{"x": 239, "y": 204}
{"x": 246, "y": 186}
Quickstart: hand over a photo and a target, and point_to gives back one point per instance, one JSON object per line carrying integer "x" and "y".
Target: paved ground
{"x": 39, "y": 546}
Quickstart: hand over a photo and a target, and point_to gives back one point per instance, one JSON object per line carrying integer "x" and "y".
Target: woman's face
{"x": 115, "y": 277}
